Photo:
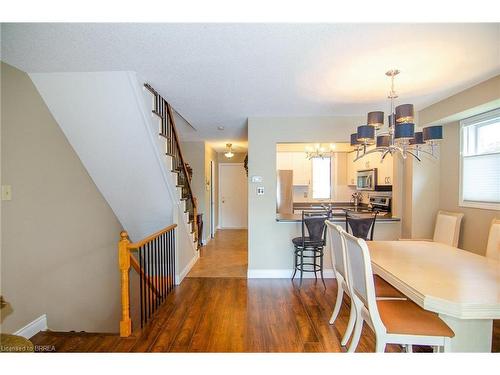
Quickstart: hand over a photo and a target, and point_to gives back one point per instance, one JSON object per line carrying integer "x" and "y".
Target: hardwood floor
{"x": 216, "y": 309}
{"x": 224, "y": 256}
{"x": 234, "y": 315}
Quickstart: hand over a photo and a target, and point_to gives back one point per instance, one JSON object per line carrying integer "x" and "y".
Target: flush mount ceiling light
{"x": 229, "y": 151}
{"x": 220, "y": 128}
{"x": 319, "y": 151}
{"x": 399, "y": 137}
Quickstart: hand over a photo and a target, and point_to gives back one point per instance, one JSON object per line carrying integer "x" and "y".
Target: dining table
{"x": 460, "y": 286}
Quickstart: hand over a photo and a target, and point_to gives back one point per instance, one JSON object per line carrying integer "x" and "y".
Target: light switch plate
{"x": 260, "y": 190}
{"x": 6, "y": 192}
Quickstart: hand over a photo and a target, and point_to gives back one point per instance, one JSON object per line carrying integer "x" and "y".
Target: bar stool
{"x": 309, "y": 250}
{"x": 361, "y": 227}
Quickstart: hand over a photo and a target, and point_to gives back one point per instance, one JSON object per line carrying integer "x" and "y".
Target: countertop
{"x": 297, "y": 218}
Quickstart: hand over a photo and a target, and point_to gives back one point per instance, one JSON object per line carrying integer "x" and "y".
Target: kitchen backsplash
{"x": 304, "y": 194}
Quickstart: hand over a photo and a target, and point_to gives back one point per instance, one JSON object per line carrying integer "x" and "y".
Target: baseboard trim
{"x": 185, "y": 271}
{"x": 285, "y": 274}
{"x": 31, "y": 329}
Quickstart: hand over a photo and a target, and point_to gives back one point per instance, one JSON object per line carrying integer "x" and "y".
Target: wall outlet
{"x": 6, "y": 192}
{"x": 260, "y": 190}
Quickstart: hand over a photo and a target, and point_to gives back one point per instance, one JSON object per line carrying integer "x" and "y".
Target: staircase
{"x": 173, "y": 152}
{"x": 125, "y": 135}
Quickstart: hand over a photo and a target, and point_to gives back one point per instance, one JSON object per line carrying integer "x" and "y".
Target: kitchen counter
{"x": 297, "y": 218}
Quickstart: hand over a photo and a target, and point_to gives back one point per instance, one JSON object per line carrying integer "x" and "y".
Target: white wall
{"x": 269, "y": 242}
{"x": 106, "y": 118}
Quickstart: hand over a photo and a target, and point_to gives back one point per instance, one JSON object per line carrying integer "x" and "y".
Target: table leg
{"x": 471, "y": 335}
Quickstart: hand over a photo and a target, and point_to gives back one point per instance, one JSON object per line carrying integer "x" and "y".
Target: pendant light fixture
{"x": 399, "y": 137}
{"x": 229, "y": 151}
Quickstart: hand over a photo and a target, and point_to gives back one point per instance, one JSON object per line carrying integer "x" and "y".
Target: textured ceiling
{"x": 221, "y": 74}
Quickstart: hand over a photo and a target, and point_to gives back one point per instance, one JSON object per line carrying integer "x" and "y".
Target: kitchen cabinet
{"x": 284, "y": 160}
{"x": 297, "y": 162}
{"x": 370, "y": 161}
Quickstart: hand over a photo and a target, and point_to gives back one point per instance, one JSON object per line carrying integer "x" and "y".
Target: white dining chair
{"x": 392, "y": 321}
{"x": 493, "y": 247}
{"x": 446, "y": 229}
{"x": 337, "y": 251}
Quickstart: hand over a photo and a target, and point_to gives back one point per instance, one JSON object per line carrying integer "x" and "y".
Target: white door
{"x": 233, "y": 192}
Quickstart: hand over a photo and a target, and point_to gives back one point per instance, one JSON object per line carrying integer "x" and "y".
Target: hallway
{"x": 224, "y": 256}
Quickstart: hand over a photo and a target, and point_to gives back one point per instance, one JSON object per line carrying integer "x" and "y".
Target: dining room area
{"x": 401, "y": 211}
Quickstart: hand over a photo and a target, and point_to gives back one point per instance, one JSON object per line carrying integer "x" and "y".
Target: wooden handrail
{"x": 162, "y": 108}
{"x": 140, "y": 243}
{"x": 156, "y": 255}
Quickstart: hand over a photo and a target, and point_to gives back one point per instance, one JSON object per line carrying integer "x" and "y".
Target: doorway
{"x": 233, "y": 193}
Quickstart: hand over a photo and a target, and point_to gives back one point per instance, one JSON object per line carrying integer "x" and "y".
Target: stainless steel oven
{"x": 366, "y": 179}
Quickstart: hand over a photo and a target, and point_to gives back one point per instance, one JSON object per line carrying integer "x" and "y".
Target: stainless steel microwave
{"x": 366, "y": 179}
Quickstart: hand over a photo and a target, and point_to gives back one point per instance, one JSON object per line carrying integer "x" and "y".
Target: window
{"x": 480, "y": 161}
{"x": 321, "y": 184}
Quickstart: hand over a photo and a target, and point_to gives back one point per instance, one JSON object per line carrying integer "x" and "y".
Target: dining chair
{"x": 392, "y": 321}
{"x": 446, "y": 229}
{"x": 493, "y": 247}
{"x": 383, "y": 289}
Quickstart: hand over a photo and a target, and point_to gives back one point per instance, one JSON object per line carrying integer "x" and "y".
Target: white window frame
{"x": 464, "y": 123}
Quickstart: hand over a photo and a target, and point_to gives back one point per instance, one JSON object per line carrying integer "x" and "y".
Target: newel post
{"x": 124, "y": 262}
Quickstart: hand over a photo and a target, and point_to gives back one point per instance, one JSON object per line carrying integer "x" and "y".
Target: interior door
{"x": 233, "y": 193}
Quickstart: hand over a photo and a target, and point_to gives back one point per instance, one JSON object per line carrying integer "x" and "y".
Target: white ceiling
{"x": 221, "y": 74}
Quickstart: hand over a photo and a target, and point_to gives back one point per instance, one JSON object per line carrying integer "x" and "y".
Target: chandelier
{"x": 399, "y": 137}
{"x": 318, "y": 151}
{"x": 229, "y": 151}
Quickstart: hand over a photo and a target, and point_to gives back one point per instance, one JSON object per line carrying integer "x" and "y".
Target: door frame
{"x": 212, "y": 199}
{"x": 219, "y": 226}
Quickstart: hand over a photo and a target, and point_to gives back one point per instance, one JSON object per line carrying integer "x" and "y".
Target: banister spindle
{"x": 124, "y": 263}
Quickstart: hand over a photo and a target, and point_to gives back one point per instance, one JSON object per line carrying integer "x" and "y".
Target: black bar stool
{"x": 309, "y": 249}
{"x": 361, "y": 227}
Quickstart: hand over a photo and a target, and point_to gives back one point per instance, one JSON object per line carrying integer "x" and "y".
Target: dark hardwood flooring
{"x": 216, "y": 309}
{"x": 233, "y": 315}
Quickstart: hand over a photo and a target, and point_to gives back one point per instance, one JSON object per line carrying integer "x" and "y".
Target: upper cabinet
{"x": 284, "y": 160}
{"x": 384, "y": 169}
{"x": 297, "y": 162}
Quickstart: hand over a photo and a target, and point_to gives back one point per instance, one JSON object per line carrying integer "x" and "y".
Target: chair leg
{"x": 380, "y": 346}
{"x": 357, "y": 333}
{"x": 338, "y": 304}
{"x": 321, "y": 269}
{"x": 350, "y": 325}
{"x": 301, "y": 266}
{"x": 294, "y": 264}
{"x": 446, "y": 348}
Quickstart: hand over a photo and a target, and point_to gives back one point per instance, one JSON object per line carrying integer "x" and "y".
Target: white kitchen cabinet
{"x": 301, "y": 169}
{"x": 370, "y": 161}
{"x": 297, "y": 162}
{"x": 384, "y": 170}
{"x": 284, "y": 160}
{"x": 351, "y": 169}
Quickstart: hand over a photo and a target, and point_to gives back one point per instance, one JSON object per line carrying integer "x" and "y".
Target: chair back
{"x": 314, "y": 221}
{"x": 447, "y": 229}
{"x": 361, "y": 227}
{"x": 360, "y": 275}
{"x": 493, "y": 247}
{"x": 337, "y": 248}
